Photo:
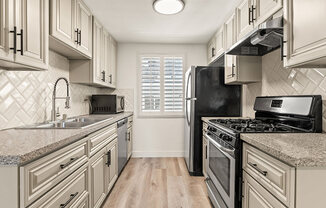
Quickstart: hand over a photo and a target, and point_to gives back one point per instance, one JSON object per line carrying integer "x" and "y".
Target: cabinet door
{"x": 106, "y": 57}
{"x": 112, "y": 165}
{"x": 263, "y": 9}
{"x": 98, "y": 71}
{"x": 243, "y": 24}
{"x": 129, "y": 142}
{"x": 113, "y": 62}
{"x": 211, "y": 50}
{"x": 62, "y": 21}
{"x": 230, "y": 32}
{"x": 6, "y": 23}
{"x": 97, "y": 178}
{"x": 230, "y": 68}
{"x": 84, "y": 24}
{"x": 304, "y": 33}
{"x": 219, "y": 42}
{"x": 255, "y": 196}
{"x": 32, "y": 25}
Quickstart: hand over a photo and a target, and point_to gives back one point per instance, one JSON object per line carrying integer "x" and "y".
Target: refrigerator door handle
{"x": 191, "y": 99}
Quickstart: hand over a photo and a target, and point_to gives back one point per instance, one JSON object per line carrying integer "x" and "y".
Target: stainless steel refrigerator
{"x": 206, "y": 95}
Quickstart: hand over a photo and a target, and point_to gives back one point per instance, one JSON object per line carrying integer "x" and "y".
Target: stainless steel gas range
{"x": 286, "y": 114}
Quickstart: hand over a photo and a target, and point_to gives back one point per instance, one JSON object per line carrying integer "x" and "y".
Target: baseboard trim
{"x": 157, "y": 154}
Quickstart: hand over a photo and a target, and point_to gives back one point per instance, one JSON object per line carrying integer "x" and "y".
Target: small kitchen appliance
{"x": 107, "y": 104}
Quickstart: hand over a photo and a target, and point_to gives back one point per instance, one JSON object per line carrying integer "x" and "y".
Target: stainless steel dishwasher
{"x": 122, "y": 143}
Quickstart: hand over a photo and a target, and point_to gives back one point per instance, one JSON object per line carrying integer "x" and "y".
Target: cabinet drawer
{"x": 41, "y": 175}
{"x": 99, "y": 139}
{"x": 130, "y": 121}
{"x": 274, "y": 175}
{"x": 72, "y": 192}
{"x": 255, "y": 196}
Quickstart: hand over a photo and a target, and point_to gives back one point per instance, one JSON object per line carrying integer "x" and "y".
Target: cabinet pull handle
{"x": 129, "y": 136}
{"x": 62, "y": 166}
{"x": 110, "y": 78}
{"x": 103, "y": 76}
{"x": 72, "y": 196}
{"x": 254, "y": 166}
{"x": 21, "y": 34}
{"x": 79, "y": 37}
{"x": 213, "y": 52}
{"x": 249, "y": 15}
{"x": 252, "y": 13}
{"x": 206, "y": 152}
{"x": 77, "y": 31}
{"x": 233, "y": 66}
{"x": 282, "y": 50}
{"x": 15, "y": 39}
{"x": 109, "y": 158}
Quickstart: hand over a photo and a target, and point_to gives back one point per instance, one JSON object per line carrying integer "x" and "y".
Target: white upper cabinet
{"x": 211, "y": 50}
{"x": 98, "y": 56}
{"x": 215, "y": 47}
{"x": 304, "y": 33}
{"x": 113, "y": 63}
{"x": 219, "y": 42}
{"x": 230, "y": 32}
{"x": 32, "y": 32}
{"x": 84, "y": 25}
{"x": 244, "y": 22}
{"x": 6, "y": 39}
{"x": 263, "y": 9}
{"x": 250, "y": 13}
{"x": 63, "y": 20}
{"x": 71, "y": 29}
{"x": 101, "y": 70}
{"x": 24, "y": 34}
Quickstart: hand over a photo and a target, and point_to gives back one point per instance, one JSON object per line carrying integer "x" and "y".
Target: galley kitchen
{"x": 162, "y": 104}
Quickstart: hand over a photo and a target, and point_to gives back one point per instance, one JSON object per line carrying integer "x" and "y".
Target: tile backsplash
{"x": 26, "y": 96}
{"x": 277, "y": 80}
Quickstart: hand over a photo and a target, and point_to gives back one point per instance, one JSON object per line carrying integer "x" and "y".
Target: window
{"x": 161, "y": 85}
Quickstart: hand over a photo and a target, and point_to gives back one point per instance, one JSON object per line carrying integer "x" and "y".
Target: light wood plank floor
{"x": 158, "y": 182}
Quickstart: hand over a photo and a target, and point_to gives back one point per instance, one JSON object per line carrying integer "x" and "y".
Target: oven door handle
{"x": 229, "y": 151}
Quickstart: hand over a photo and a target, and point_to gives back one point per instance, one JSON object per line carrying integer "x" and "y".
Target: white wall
{"x": 155, "y": 137}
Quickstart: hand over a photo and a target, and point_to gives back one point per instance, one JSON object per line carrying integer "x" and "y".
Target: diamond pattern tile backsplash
{"x": 277, "y": 80}
{"x": 26, "y": 97}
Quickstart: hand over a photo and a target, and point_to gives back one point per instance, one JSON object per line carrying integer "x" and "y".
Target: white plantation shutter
{"x": 161, "y": 85}
{"x": 173, "y": 84}
{"x": 150, "y": 84}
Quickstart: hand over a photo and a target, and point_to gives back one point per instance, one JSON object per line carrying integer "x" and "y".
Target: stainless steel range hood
{"x": 265, "y": 38}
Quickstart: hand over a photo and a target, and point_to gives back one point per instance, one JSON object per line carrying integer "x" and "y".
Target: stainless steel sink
{"x": 70, "y": 123}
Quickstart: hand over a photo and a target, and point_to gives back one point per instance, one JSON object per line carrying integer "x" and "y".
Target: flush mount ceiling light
{"x": 168, "y": 6}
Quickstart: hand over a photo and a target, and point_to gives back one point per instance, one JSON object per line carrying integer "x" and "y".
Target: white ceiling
{"x": 136, "y": 21}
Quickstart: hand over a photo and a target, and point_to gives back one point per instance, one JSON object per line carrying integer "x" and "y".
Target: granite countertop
{"x": 295, "y": 149}
{"x": 20, "y": 146}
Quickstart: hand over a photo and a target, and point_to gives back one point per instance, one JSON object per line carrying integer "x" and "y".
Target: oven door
{"x": 120, "y": 104}
{"x": 221, "y": 169}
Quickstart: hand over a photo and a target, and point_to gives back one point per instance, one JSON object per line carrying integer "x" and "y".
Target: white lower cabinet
{"x": 97, "y": 178}
{"x": 255, "y": 196}
{"x": 72, "y": 191}
{"x": 103, "y": 173}
{"x": 80, "y": 175}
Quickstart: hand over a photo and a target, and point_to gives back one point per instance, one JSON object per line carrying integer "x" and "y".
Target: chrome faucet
{"x": 54, "y": 98}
